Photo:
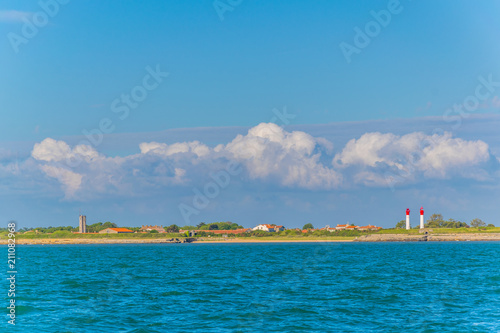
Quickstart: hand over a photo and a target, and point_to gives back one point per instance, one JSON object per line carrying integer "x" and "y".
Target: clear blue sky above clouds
{"x": 227, "y": 76}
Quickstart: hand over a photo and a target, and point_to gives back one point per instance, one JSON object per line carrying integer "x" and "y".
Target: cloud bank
{"x": 414, "y": 156}
{"x": 267, "y": 154}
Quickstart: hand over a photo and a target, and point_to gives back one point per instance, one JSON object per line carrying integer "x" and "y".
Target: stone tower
{"x": 82, "y": 224}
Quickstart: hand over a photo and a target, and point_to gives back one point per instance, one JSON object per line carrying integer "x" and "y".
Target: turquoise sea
{"x": 276, "y": 287}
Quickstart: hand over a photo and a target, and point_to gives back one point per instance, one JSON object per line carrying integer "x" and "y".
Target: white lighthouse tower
{"x": 407, "y": 218}
{"x": 421, "y": 217}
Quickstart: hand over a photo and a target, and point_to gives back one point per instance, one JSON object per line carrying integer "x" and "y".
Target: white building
{"x": 269, "y": 228}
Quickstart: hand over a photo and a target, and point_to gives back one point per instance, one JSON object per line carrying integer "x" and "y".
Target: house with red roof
{"x": 269, "y": 228}
{"x": 369, "y": 227}
{"x": 148, "y": 228}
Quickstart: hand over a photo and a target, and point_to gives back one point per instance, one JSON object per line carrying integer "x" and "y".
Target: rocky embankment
{"x": 429, "y": 237}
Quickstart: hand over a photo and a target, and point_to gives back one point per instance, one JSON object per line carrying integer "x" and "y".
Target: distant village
{"x": 223, "y": 229}
{"x": 230, "y": 228}
{"x": 271, "y": 228}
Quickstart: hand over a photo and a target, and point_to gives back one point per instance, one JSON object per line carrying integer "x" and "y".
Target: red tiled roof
{"x": 371, "y": 227}
{"x": 121, "y": 229}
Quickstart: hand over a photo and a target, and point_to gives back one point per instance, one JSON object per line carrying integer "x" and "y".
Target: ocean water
{"x": 276, "y": 287}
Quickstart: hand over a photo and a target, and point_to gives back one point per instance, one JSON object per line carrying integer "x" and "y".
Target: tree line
{"x": 227, "y": 225}
{"x": 96, "y": 227}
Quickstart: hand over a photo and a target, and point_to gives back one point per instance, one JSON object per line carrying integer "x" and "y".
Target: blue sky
{"x": 229, "y": 72}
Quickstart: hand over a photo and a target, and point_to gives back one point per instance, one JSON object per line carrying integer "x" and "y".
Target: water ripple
{"x": 299, "y": 287}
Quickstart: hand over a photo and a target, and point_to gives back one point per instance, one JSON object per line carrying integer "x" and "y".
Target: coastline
{"x": 365, "y": 238}
{"x": 70, "y": 241}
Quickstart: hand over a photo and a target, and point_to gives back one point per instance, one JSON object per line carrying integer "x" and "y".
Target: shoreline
{"x": 382, "y": 238}
{"x": 73, "y": 241}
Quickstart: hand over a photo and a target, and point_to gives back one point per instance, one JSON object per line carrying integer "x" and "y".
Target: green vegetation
{"x": 286, "y": 234}
{"x": 217, "y": 226}
{"x": 172, "y": 228}
{"x": 189, "y": 227}
{"x": 438, "y": 225}
{"x": 67, "y": 234}
{"x": 49, "y": 230}
{"x": 437, "y": 221}
{"x": 292, "y": 233}
{"x": 96, "y": 227}
{"x": 206, "y": 226}
{"x": 477, "y": 223}
{"x": 401, "y": 224}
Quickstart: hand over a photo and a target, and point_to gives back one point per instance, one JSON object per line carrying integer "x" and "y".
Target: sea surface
{"x": 275, "y": 287}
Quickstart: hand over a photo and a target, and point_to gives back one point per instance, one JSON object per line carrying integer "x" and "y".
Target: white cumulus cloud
{"x": 194, "y": 147}
{"x": 410, "y": 155}
{"x": 70, "y": 180}
{"x": 268, "y": 151}
{"x": 53, "y": 150}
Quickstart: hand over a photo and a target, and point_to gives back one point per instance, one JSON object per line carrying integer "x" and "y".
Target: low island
{"x": 436, "y": 229}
